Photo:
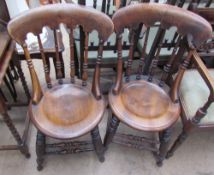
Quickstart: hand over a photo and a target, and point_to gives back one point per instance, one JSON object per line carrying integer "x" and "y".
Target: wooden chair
{"x": 7, "y": 47}
{"x": 197, "y": 114}
{"x": 146, "y": 103}
{"x": 71, "y": 108}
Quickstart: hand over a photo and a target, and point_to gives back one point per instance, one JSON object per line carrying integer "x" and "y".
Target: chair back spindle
{"x": 130, "y": 59}
{"x": 168, "y": 66}
{"x": 72, "y": 67}
{"x": 96, "y": 80}
{"x": 37, "y": 91}
{"x": 85, "y": 62}
{"x": 142, "y": 59}
{"x": 58, "y": 62}
{"x": 45, "y": 64}
{"x": 156, "y": 59}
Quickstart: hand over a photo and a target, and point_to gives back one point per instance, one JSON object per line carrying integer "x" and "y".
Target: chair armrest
{"x": 202, "y": 111}
{"x": 204, "y": 73}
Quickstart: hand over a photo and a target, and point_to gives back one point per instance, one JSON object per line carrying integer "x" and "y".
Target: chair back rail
{"x": 52, "y": 16}
{"x": 187, "y": 23}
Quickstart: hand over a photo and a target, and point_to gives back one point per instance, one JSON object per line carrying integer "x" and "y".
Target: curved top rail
{"x": 34, "y": 20}
{"x": 196, "y": 28}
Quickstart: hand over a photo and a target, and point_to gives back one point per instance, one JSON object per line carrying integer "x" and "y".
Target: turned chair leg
{"x": 111, "y": 130}
{"x": 6, "y": 118}
{"x": 14, "y": 132}
{"x": 40, "y": 150}
{"x": 164, "y": 145}
{"x": 17, "y": 63}
{"x": 98, "y": 145}
{"x": 181, "y": 138}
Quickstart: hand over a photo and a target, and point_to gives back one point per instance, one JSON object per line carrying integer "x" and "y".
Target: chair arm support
{"x": 204, "y": 73}
{"x": 174, "y": 92}
{"x": 202, "y": 111}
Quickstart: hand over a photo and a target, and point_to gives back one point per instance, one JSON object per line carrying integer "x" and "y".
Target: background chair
{"x": 147, "y": 103}
{"x": 10, "y": 71}
{"x": 64, "y": 109}
{"x": 196, "y": 94}
{"x": 14, "y": 71}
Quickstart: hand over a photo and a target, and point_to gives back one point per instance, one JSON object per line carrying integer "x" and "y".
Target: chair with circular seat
{"x": 196, "y": 94}
{"x": 66, "y": 108}
{"x": 147, "y": 102}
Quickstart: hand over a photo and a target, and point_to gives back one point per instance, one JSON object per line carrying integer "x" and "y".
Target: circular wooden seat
{"x": 67, "y": 111}
{"x": 144, "y": 106}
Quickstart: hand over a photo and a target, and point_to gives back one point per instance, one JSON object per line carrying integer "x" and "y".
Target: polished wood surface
{"x": 64, "y": 109}
{"x": 67, "y": 111}
{"x": 139, "y": 100}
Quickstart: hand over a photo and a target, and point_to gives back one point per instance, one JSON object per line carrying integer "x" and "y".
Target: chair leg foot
{"x": 168, "y": 155}
{"x": 159, "y": 163}
{"x": 27, "y": 155}
{"x": 39, "y": 167}
{"x": 101, "y": 158}
{"x": 25, "y": 151}
{"x": 181, "y": 138}
{"x": 111, "y": 130}
{"x": 40, "y": 150}
{"x": 98, "y": 145}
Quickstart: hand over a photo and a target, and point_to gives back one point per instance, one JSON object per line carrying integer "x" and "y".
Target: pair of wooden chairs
{"x": 70, "y": 108}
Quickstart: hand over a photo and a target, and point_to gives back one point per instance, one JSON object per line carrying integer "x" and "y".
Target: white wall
{"x": 16, "y": 6}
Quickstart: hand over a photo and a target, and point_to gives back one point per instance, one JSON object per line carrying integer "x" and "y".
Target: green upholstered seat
{"x": 193, "y": 95}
